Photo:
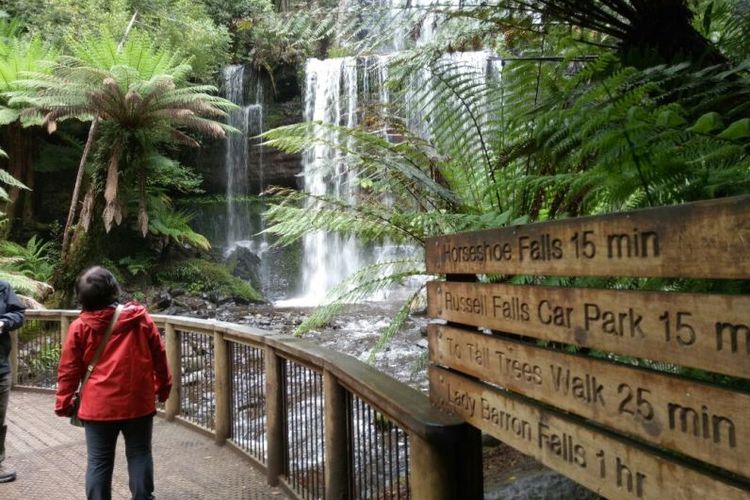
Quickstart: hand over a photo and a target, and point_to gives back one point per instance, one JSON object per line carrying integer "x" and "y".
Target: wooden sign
{"x": 699, "y": 420}
{"x": 609, "y": 465}
{"x": 711, "y": 332}
{"x": 697, "y": 240}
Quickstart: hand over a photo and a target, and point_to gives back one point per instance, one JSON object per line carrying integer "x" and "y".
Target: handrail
{"x": 274, "y": 397}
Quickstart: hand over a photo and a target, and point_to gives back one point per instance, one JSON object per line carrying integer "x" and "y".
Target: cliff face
{"x": 281, "y": 105}
{"x": 279, "y": 169}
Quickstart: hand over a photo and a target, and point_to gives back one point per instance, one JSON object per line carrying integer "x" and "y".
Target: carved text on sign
{"x": 696, "y": 240}
{"x": 704, "y": 331}
{"x": 598, "y": 460}
{"x": 700, "y": 420}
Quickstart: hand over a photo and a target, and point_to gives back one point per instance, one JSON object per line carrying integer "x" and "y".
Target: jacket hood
{"x": 99, "y": 319}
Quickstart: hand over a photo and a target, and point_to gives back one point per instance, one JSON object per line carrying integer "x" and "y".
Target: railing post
{"x": 275, "y": 416}
{"x": 14, "y": 357}
{"x": 172, "y": 346}
{"x": 222, "y": 388}
{"x": 449, "y": 469}
{"x": 337, "y": 456}
{"x": 64, "y": 325}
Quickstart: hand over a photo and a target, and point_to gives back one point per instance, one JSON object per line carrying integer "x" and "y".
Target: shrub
{"x": 201, "y": 276}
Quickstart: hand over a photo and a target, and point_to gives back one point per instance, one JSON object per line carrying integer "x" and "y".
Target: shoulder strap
{"x": 102, "y": 344}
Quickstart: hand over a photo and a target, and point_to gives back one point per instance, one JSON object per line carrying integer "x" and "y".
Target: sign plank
{"x": 702, "y": 421}
{"x": 609, "y": 465}
{"x": 696, "y": 240}
{"x": 711, "y": 332}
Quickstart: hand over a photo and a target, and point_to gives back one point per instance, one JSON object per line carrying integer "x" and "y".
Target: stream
{"x": 354, "y": 331}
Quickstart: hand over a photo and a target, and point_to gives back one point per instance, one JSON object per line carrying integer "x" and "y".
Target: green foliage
{"x": 137, "y": 264}
{"x": 168, "y": 173}
{"x": 179, "y": 23}
{"x": 140, "y": 94}
{"x": 727, "y": 24}
{"x": 35, "y": 260}
{"x": 228, "y": 12}
{"x": 164, "y": 222}
{"x": 9, "y": 28}
{"x": 201, "y": 276}
{"x": 45, "y": 359}
{"x": 17, "y": 56}
{"x": 10, "y": 181}
{"x": 268, "y": 40}
{"x": 148, "y": 56}
{"x": 27, "y": 268}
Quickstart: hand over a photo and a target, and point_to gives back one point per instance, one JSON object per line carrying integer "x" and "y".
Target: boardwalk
{"x": 50, "y": 457}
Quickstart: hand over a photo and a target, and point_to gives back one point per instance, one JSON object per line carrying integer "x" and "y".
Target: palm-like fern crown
{"x": 140, "y": 94}
{"x": 137, "y": 86}
{"x": 140, "y": 53}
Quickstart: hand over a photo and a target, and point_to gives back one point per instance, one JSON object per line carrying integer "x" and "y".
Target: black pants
{"x": 4, "y": 395}
{"x": 101, "y": 440}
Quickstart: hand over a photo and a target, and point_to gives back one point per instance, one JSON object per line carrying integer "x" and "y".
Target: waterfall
{"x": 331, "y": 96}
{"x": 248, "y": 119}
{"x": 336, "y": 92}
{"x": 236, "y": 151}
{"x": 244, "y": 225}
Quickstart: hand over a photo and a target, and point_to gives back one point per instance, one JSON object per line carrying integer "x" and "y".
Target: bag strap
{"x": 101, "y": 346}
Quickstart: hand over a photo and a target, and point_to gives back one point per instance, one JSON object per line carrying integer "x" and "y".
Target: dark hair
{"x": 96, "y": 288}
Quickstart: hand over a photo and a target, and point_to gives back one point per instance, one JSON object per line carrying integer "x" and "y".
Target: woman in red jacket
{"x": 120, "y": 393}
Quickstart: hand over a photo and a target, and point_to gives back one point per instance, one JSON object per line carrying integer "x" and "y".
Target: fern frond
{"x": 359, "y": 286}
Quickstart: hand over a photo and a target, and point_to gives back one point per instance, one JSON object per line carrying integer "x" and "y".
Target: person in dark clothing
{"x": 11, "y": 317}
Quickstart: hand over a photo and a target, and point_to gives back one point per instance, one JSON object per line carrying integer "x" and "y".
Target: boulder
{"x": 245, "y": 264}
{"x": 162, "y": 300}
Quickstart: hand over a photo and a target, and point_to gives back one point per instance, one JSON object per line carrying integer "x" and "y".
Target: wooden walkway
{"x": 50, "y": 457}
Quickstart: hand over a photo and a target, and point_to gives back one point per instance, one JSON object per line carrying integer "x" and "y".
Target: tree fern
{"x": 140, "y": 94}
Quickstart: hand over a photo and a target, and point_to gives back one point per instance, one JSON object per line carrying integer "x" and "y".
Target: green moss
{"x": 284, "y": 113}
{"x": 339, "y": 52}
{"x": 202, "y": 276}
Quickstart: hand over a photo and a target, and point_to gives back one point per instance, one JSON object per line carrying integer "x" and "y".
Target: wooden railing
{"x": 319, "y": 423}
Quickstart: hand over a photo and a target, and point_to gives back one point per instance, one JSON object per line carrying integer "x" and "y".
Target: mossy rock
{"x": 202, "y": 276}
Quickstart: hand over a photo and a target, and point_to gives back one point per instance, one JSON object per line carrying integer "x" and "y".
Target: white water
{"x": 242, "y": 230}
{"x": 330, "y": 97}
{"x": 333, "y": 91}
{"x": 248, "y": 119}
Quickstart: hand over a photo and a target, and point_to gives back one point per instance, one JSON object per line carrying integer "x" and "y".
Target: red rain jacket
{"x": 131, "y": 372}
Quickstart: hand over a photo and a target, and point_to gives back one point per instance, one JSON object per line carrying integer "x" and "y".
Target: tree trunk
{"x": 662, "y": 31}
{"x": 649, "y": 32}
{"x": 20, "y": 165}
{"x": 77, "y": 188}
{"x": 282, "y": 5}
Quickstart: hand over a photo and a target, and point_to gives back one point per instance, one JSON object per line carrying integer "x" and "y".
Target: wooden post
{"x": 275, "y": 416}
{"x": 337, "y": 455}
{"x": 13, "y": 358}
{"x": 64, "y": 325}
{"x": 172, "y": 341}
{"x": 222, "y": 389}
{"x": 449, "y": 470}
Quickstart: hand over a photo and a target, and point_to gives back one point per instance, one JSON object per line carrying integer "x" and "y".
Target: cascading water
{"x": 331, "y": 96}
{"x": 248, "y": 119}
{"x": 335, "y": 91}
{"x": 244, "y": 226}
